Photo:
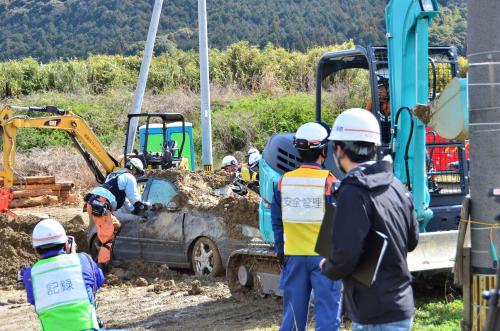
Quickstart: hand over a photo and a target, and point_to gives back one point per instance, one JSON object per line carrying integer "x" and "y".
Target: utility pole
{"x": 484, "y": 108}
{"x": 206, "y": 113}
{"x": 143, "y": 74}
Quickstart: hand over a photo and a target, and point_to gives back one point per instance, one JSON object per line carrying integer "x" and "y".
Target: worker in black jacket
{"x": 370, "y": 197}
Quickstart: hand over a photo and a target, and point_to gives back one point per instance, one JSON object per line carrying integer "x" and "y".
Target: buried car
{"x": 176, "y": 235}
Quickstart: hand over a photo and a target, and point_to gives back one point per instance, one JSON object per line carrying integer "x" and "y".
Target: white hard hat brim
{"x": 356, "y": 124}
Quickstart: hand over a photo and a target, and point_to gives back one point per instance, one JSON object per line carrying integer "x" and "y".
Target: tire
{"x": 206, "y": 259}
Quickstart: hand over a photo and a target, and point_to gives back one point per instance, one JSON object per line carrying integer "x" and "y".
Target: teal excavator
{"x": 431, "y": 160}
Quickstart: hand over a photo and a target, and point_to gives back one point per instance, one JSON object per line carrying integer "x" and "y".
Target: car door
{"x": 127, "y": 245}
{"x": 161, "y": 232}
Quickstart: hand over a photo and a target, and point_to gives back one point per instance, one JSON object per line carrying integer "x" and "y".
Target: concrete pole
{"x": 206, "y": 113}
{"x": 484, "y": 106}
{"x": 143, "y": 74}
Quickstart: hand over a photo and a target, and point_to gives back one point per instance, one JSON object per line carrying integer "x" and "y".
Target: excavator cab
{"x": 446, "y": 161}
{"x": 158, "y": 147}
{"x": 447, "y": 170}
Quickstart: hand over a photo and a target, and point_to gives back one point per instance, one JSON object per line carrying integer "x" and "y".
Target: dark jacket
{"x": 111, "y": 184}
{"x": 371, "y": 197}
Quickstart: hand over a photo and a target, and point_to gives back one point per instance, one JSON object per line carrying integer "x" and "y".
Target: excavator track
{"x": 254, "y": 271}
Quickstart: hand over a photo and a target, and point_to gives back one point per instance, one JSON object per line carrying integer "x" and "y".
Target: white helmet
{"x": 356, "y": 124}
{"x": 48, "y": 233}
{"x": 228, "y": 160}
{"x": 135, "y": 163}
{"x": 252, "y": 151}
{"x": 253, "y": 160}
{"x": 310, "y": 136}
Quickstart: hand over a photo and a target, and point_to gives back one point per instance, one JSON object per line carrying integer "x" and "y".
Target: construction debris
{"x": 39, "y": 191}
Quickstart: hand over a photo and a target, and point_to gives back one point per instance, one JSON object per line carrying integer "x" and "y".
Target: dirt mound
{"x": 16, "y": 251}
{"x": 157, "y": 278}
{"x": 199, "y": 179}
{"x": 208, "y": 191}
{"x": 128, "y": 273}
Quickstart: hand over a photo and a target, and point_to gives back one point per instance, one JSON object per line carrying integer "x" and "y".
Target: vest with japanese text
{"x": 303, "y": 208}
{"x": 61, "y": 298}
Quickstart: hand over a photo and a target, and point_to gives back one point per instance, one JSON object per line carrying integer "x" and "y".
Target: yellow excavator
{"x": 85, "y": 141}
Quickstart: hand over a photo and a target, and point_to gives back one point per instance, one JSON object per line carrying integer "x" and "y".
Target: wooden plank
{"x": 31, "y": 180}
{"x": 32, "y": 193}
{"x": 33, "y": 202}
{"x": 53, "y": 187}
{"x": 66, "y": 185}
{"x": 64, "y": 193}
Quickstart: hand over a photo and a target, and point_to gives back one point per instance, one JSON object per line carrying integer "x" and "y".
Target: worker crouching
{"x": 297, "y": 211}
{"x": 62, "y": 284}
{"x": 119, "y": 190}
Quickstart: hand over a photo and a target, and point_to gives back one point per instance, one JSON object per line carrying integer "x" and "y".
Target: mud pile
{"x": 139, "y": 274}
{"x": 156, "y": 278}
{"x": 208, "y": 191}
{"x": 16, "y": 251}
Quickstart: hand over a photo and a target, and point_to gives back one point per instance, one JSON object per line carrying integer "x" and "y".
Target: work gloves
{"x": 238, "y": 187}
{"x": 141, "y": 206}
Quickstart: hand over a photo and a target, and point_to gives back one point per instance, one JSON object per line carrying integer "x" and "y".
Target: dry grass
{"x": 187, "y": 102}
{"x": 66, "y": 164}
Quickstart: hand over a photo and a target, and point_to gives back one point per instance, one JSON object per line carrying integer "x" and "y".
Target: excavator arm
{"x": 79, "y": 131}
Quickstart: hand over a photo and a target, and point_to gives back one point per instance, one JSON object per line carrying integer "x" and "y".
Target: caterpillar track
{"x": 254, "y": 271}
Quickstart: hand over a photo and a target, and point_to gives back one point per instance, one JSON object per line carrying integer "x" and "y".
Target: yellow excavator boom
{"x": 76, "y": 127}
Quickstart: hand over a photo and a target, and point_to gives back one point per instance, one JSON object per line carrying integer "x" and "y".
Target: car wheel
{"x": 95, "y": 245}
{"x": 205, "y": 258}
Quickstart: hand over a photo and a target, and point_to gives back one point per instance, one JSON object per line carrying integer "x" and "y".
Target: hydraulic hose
{"x": 434, "y": 77}
{"x": 407, "y": 148}
{"x": 431, "y": 153}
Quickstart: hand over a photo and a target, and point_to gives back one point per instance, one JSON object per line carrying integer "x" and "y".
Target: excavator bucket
{"x": 435, "y": 251}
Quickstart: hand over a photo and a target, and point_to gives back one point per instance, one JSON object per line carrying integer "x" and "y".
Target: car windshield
{"x": 161, "y": 191}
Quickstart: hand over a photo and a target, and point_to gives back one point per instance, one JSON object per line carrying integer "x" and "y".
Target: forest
{"x": 68, "y": 29}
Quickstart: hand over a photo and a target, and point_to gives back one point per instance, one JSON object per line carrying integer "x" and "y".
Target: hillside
{"x": 48, "y": 29}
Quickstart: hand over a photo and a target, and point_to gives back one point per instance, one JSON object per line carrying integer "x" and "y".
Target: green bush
{"x": 251, "y": 121}
{"x": 241, "y": 65}
{"x": 106, "y": 115}
{"x": 236, "y": 125}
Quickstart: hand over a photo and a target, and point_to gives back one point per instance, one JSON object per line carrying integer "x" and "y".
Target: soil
{"x": 16, "y": 251}
{"x": 171, "y": 307}
{"x": 210, "y": 192}
{"x": 136, "y": 296}
{"x": 197, "y": 190}
{"x": 199, "y": 179}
